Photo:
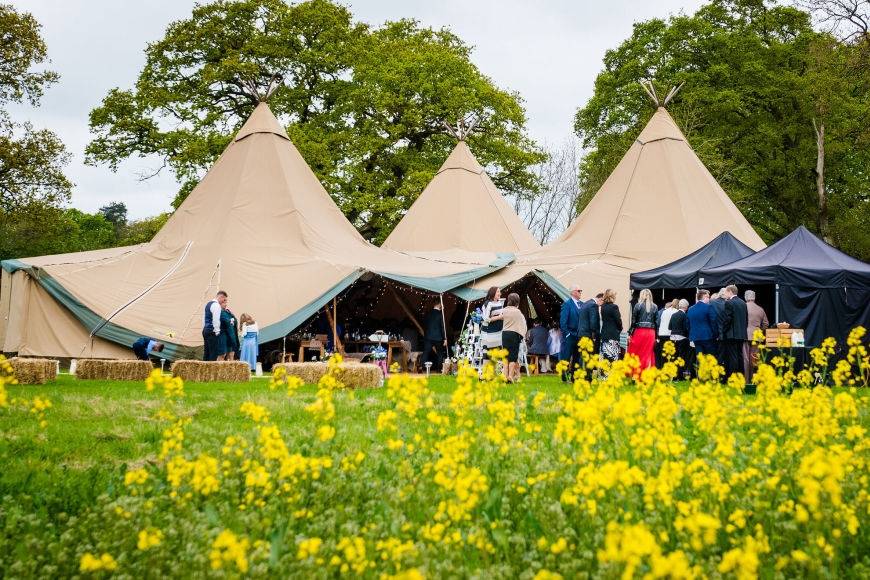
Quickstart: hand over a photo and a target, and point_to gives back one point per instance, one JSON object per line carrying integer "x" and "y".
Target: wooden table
{"x": 390, "y": 346}
{"x": 311, "y": 344}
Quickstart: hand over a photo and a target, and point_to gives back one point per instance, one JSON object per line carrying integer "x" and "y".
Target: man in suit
{"x": 434, "y": 338}
{"x": 211, "y": 326}
{"x": 734, "y": 323}
{"x": 717, "y": 301}
{"x": 702, "y": 326}
{"x": 757, "y": 318}
{"x": 590, "y": 321}
{"x": 569, "y": 322}
{"x": 143, "y": 347}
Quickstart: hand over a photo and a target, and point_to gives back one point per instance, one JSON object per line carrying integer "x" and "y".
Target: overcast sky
{"x": 549, "y": 51}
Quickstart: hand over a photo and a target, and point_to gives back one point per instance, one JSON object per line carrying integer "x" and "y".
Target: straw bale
{"x": 34, "y": 371}
{"x": 352, "y": 374}
{"x": 199, "y": 371}
{"x": 114, "y": 370}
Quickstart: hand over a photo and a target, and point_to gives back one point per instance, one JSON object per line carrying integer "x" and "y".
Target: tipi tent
{"x": 659, "y": 203}
{"x": 259, "y": 225}
{"x": 461, "y": 214}
{"x": 683, "y": 273}
{"x": 818, "y": 288}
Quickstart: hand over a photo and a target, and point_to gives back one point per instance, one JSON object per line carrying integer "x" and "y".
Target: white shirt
{"x": 246, "y": 328}
{"x": 215, "y": 311}
{"x": 665, "y": 325}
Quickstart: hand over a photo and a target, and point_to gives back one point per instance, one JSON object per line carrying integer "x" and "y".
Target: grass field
{"x": 454, "y": 477}
{"x": 99, "y": 428}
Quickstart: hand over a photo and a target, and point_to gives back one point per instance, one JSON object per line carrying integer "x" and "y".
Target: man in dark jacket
{"x": 569, "y": 322}
{"x": 734, "y": 322}
{"x": 679, "y": 327}
{"x": 434, "y": 338}
{"x": 144, "y": 347}
{"x": 702, "y": 326}
{"x": 717, "y": 302}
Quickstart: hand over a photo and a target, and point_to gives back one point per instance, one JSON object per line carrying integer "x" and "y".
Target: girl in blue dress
{"x": 250, "y": 340}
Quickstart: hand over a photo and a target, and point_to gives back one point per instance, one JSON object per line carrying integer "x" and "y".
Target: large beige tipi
{"x": 259, "y": 225}
{"x": 659, "y": 204}
{"x": 461, "y": 214}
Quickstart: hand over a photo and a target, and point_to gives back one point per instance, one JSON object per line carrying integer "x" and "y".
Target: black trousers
{"x": 211, "y": 342}
{"x": 685, "y": 352}
{"x": 433, "y": 351}
{"x": 570, "y": 354}
{"x": 732, "y": 350}
{"x": 661, "y": 339}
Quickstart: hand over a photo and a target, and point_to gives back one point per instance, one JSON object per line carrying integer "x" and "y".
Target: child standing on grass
{"x": 250, "y": 334}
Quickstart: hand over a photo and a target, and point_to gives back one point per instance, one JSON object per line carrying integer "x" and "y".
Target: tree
{"x": 141, "y": 231}
{"x": 550, "y": 211}
{"x": 116, "y": 214}
{"x": 21, "y": 47}
{"x": 32, "y": 183}
{"x": 847, "y": 19}
{"x": 363, "y": 105}
{"x": 31, "y": 160}
{"x": 755, "y": 77}
{"x": 38, "y": 229}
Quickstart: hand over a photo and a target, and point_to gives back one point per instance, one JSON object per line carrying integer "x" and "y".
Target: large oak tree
{"x": 757, "y": 76}
{"x": 364, "y": 105}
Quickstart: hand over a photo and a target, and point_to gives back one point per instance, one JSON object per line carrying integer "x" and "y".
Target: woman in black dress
{"x": 611, "y": 326}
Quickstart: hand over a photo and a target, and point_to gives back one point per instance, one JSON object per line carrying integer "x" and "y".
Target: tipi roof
{"x": 460, "y": 211}
{"x": 658, "y": 204}
{"x": 261, "y": 227}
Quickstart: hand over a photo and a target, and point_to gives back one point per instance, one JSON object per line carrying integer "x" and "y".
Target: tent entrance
{"x": 372, "y": 303}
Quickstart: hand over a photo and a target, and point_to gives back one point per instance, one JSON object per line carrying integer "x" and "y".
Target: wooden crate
{"x": 773, "y": 336}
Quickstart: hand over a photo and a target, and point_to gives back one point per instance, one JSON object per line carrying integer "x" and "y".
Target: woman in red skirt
{"x": 643, "y": 330}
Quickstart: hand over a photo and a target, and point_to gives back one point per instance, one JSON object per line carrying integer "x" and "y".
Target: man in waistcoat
{"x": 211, "y": 326}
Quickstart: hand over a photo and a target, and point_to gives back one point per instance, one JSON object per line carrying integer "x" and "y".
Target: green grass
{"x": 96, "y": 429}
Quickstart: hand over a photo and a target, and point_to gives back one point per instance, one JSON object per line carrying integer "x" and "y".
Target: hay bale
{"x": 113, "y": 370}
{"x": 353, "y": 375}
{"x": 34, "y": 371}
{"x": 199, "y": 371}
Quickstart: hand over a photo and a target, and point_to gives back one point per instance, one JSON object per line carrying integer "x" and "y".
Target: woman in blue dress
{"x": 250, "y": 339}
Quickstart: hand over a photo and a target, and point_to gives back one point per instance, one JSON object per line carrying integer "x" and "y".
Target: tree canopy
{"x": 756, "y": 77}
{"x": 364, "y": 105}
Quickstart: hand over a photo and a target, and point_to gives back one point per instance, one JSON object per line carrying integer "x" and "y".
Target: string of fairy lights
{"x": 364, "y": 295}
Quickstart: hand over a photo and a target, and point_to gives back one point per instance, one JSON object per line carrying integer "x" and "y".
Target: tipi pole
{"x": 444, "y": 322}
{"x": 776, "y": 304}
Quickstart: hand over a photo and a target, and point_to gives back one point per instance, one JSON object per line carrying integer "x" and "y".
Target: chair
{"x": 523, "y": 358}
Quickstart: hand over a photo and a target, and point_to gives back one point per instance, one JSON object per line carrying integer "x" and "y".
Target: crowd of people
{"x": 721, "y": 325}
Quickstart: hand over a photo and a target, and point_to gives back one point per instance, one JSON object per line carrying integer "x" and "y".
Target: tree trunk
{"x": 820, "y": 180}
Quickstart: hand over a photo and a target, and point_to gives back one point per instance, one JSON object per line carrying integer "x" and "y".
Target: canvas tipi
{"x": 259, "y": 225}
{"x": 461, "y": 214}
{"x": 658, "y": 204}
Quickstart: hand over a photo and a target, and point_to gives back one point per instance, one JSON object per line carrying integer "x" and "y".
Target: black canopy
{"x": 683, "y": 273}
{"x": 819, "y": 288}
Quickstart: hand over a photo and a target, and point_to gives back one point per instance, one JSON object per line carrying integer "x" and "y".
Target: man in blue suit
{"x": 703, "y": 325}
{"x": 569, "y": 322}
